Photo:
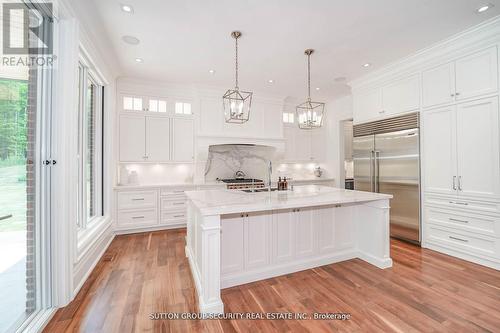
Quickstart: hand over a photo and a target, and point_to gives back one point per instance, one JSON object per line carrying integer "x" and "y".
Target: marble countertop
{"x": 200, "y": 184}
{"x": 218, "y": 202}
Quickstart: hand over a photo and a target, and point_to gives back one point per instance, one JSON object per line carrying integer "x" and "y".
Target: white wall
{"x": 338, "y": 111}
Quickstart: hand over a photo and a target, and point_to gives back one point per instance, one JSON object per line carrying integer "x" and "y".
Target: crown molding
{"x": 484, "y": 35}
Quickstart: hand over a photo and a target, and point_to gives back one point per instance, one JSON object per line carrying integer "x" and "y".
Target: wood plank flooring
{"x": 424, "y": 291}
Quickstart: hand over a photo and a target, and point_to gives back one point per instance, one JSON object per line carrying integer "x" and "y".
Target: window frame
{"x": 88, "y": 75}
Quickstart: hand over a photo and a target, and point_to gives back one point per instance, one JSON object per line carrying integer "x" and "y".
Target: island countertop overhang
{"x": 221, "y": 202}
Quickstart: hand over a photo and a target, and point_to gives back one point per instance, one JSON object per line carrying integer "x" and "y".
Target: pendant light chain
{"x": 236, "y": 61}
{"x": 309, "y": 76}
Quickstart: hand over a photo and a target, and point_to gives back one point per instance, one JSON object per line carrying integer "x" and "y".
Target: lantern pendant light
{"x": 236, "y": 103}
{"x": 310, "y": 114}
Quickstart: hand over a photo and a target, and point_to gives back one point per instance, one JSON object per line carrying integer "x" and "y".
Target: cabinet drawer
{"x": 174, "y": 191}
{"x": 139, "y": 218}
{"x": 463, "y": 204}
{"x": 173, "y": 217}
{"x": 481, "y": 224}
{"x": 463, "y": 240}
{"x": 173, "y": 203}
{"x": 137, "y": 199}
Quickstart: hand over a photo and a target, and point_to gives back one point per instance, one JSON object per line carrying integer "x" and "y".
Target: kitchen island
{"x": 235, "y": 237}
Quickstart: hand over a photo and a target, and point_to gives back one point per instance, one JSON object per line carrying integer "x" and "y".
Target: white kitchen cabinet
{"x": 283, "y": 236}
{"x": 439, "y": 150}
{"x": 232, "y": 238}
{"x": 290, "y": 150}
{"x": 157, "y": 139}
{"x": 438, "y": 85}
{"x": 401, "y": 96}
{"x": 132, "y": 138}
{"x": 305, "y": 235}
{"x": 303, "y": 145}
{"x": 257, "y": 232}
{"x": 461, "y": 150}
{"x": 132, "y": 103}
{"x": 477, "y": 74}
{"x": 318, "y": 145}
{"x": 478, "y": 149}
{"x": 182, "y": 140}
{"x": 367, "y": 105}
{"x": 471, "y": 76}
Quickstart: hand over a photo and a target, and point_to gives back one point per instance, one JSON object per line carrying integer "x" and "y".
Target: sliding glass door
{"x": 24, "y": 184}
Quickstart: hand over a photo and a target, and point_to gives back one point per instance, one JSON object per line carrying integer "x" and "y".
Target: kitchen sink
{"x": 259, "y": 190}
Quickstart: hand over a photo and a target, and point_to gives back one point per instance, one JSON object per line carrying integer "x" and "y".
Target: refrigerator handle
{"x": 371, "y": 171}
{"x": 377, "y": 170}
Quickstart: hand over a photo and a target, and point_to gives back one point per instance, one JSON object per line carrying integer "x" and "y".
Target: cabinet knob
{"x": 457, "y": 94}
{"x": 452, "y": 95}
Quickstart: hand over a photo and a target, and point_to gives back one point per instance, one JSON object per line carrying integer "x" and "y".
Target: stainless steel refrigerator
{"x": 386, "y": 158}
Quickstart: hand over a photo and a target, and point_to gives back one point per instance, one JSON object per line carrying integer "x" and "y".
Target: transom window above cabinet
{"x": 157, "y": 105}
{"x": 288, "y": 117}
{"x": 132, "y": 103}
{"x": 182, "y": 108}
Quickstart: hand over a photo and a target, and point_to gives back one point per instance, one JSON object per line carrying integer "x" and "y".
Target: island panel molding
{"x": 235, "y": 237}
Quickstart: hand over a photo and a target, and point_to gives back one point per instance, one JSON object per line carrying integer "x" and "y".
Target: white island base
{"x": 235, "y": 238}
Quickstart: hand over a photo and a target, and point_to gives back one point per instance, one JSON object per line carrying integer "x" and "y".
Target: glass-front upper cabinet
{"x": 133, "y": 103}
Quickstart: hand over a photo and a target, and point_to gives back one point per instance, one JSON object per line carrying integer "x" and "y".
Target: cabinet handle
{"x": 137, "y": 217}
{"x": 459, "y": 239}
{"x": 454, "y": 183}
{"x": 178, "y": 203}
{"x": 137, "y": 199}
{"x": 178, "y": 215}
{"x": 460, "y": 183}
{"x": 459, "y": 203}
{"x": 178, "y": 191}
{"x": 242, "y": 215}
{"x": 457, "y": 94}
{"x": 452, "y": 95}
{"x": 457, "y": 220}
{"x": 381, "y": 111}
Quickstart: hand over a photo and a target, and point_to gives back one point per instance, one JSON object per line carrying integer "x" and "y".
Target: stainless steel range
{"x": 243, "y": 183}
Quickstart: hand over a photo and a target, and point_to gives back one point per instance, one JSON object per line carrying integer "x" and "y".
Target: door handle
{"x": 377, "y": 171}
{"x": 460, "y": 183}
{"x": 5, "y": 217}
{"x": 372, "y": 173}
{"x": 454, "y": 183}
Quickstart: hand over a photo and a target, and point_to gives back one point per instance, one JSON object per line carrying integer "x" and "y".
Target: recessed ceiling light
{"x": 367, "y": 64}
{"x": 127, "y": 8}
{"x": 484, "y": 8}
{"x": 139, "y": 60}
{"x": 270, "y": 81}
{"x": 131, "y": 40}
{"x": 317, "y": 88}
{"x": 211, "y": 71}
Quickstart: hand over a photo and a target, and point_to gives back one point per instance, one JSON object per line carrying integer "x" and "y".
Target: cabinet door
{"x": 182, "y": 140}
{"x": 132, "y": 138}
{"x": 325, "y": 218}
{"x": 130, "y": 102}
{"x": 157, "y": 139}
{"x": 478, "y": 149}
{"x": 232, "y": 240}
{"x": 439, "y": 161}
{"x": 477, "y": 74}
{"x": 290, "y": 150}
{"x": 303, "y": 145}
{"x": 367, "y": 105}
{"x": 304, "y": 232}
{"x": 283, "y": 236}
{"x": 438, "y": 85}
{"x": 257, "y": 230}
{"x": 401, "y": 96}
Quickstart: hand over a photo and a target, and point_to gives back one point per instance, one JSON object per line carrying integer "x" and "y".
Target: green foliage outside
{"x": 13, "y": 136}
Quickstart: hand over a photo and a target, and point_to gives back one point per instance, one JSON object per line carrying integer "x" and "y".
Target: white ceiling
{"x": 181, "y": 40}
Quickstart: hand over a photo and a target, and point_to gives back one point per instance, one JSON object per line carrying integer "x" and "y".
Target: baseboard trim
{"x": 461, "y": 255}
{"x": 148, "y": 229}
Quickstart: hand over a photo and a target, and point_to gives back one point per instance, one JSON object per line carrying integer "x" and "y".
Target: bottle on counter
{"x": 279, "y": 184}
{"x": 285, "y": 184}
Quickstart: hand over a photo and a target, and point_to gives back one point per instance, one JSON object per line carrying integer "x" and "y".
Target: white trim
{"x": 87, "y": 237}
{"x": 38, "y": 322}
{"x": 127, "y": 231}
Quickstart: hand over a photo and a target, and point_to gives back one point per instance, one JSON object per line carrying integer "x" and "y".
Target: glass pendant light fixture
{"x": 309, "y": 113}
{"x": 236, "y": 103}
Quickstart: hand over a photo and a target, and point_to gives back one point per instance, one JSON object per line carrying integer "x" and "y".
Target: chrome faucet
{"x": 269, "y": 173}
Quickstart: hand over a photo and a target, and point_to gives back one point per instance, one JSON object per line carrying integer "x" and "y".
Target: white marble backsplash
{"x": 224, "y": 160}
{"x": 157, "y": 173}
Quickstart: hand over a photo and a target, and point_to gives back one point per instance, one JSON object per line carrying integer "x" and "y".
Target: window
{"x": 157, "y": 105}
{"x": 132, "y": 103}
{"x": 182, "y": 108}
{"x": 288, "y": 117}
{"x": 90, "y": 143}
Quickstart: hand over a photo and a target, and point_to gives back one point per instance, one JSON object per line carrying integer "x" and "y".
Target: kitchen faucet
{"x": 269, "y": 172}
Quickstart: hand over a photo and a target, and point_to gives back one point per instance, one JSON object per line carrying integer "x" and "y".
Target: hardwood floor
{"x": 424, "y": 291}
